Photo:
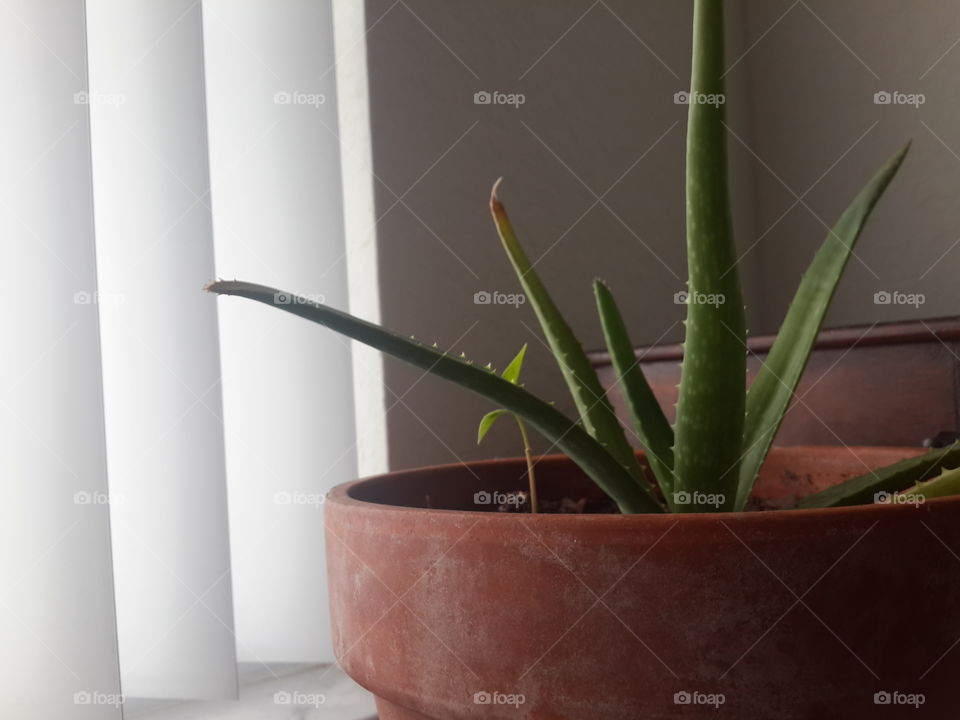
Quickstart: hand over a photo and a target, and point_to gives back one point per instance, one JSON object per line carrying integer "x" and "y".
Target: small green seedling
{"x": 512, "y": 374}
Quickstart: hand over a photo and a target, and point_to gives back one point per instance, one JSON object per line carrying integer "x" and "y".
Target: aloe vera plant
{"x": 711, "y": 458}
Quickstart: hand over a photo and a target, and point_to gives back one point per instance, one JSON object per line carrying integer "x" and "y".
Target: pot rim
{"x": 340, "y": 495}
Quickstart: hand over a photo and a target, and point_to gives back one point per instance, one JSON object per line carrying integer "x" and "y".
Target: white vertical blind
{"x": 57, "y": 625}
{"x": 275, "y": 172}
{"x": 160, "y": 348}
{"x": 113, "y": 361}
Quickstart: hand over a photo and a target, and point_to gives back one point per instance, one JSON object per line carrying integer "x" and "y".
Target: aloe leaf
{"x": 771, "y": 392}
{"x": 946, "y": 484}
{"x": 595, "y": 410}
{"x": 709, "y": 428}
{"x": 567, "y": 435}
{"x": 486, "y": 422}
{"x": 892, "y": 478}
{"x": 651, "y": 424}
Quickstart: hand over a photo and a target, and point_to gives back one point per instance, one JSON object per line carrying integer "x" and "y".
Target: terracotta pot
{"x": 455, "y": 613}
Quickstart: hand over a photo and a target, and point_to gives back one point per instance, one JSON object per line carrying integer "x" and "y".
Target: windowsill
{"x": 278, "y": 692}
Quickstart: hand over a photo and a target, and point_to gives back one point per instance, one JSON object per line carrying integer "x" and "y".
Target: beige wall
{"x": 813, "y": 98}
{"x": 599, "y": 98}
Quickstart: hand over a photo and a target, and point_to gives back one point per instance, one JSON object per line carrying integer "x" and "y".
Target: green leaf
{"x": 651, "y": 424}
{"x": 512, "y": 373}
{"x": 567, "y": 435}
{"x": 595, "y": 410}
{"x": 709, "y": 428}
{"x": 946, "y": 484}
{"x": 892, "y": 478}
{"x": 486, "y": 422}
{"x": 771, "y": 392}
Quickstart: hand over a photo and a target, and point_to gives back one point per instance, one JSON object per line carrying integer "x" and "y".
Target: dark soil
{"x": 566, "y": 506}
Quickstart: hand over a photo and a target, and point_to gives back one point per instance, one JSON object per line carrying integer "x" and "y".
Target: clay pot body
{"x": 451, "y": 613}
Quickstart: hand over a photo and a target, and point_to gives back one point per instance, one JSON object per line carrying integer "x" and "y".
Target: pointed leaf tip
{"x": 495, "y": 205}
{"x": 512, "y": 371}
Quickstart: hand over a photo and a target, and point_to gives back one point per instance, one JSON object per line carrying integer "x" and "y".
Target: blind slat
{"x": 160, "y": 349}
{"x": 57, "y": 619}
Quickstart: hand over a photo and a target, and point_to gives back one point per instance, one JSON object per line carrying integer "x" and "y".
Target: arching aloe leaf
{"x": 651, "y": 424}
{"x": 892, "y": 478}
{"x": 709, "y": 427}
{"x": 595, "y": 410}
{"x": 770, "y": 395}
{"x": 567, "y": 435}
